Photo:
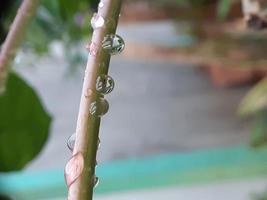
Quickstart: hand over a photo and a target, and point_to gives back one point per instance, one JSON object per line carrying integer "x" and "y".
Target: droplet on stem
{"x": 113, "y": 44}
{"x": 96, "y": 181}
{"x": 74, "y": 168}
{"x": 97, "y": 21}
{"x": 98, "y": 143}
{"x": 100, "y": 5}
{"x": 99, "y": 107}
{"x": 104, "y": 84}
{"x": 71, "y": 142}
{"x": 96, "y": 163}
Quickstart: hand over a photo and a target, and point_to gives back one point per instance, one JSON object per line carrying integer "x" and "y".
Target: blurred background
{"x": 187, "y": 117}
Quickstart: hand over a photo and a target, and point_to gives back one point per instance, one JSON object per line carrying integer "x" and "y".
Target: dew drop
{"x": 96, "y": 181}
{"x": 104, "y": 84}
{"x": 74, "y": 168}
{"x": 18, "y": 59}
{"x": 114, "y": 44}
{"x": 100, "y": 5}
{"x": 98, "y": 143}
{"x": 99, "y": 107}
{"x": 97, "y": 21}
{"x": 71, "y": 142}
{"x": 96, "y": 163}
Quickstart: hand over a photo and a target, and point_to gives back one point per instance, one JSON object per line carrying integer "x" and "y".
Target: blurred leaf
{"x": 24, "y": 125}
{"x": 4, "y": 197}
{"x": 255, "y": 100}
{"x": 259, "y": 130}
{"x": 223, "y": 8}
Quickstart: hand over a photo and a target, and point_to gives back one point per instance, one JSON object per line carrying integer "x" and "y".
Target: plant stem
{"x": 87, "y": 129}
{"x": 15, "y": 37}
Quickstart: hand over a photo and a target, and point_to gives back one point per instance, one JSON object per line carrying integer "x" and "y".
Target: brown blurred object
{"x": 136, "y": 11}
{"x": 257, "y": 22}
{"x": 231, "y": 54}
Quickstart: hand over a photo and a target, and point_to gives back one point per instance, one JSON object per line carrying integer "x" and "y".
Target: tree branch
{"x": 15, "y": 37}
{"x": 80, "y": 170}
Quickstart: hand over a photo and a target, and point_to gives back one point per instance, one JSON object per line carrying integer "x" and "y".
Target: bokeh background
{"x": 187, "y": 117}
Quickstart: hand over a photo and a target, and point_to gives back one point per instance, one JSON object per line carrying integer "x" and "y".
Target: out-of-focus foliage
{"x": 223, "y": 8}
{"x": 229, "y": 44}
{"x": 24, "y": 125}
{"x": 55, "y": 20}
{"x": 59, "y": 20}
{"x": 260, "y": 196}
{"x": 255, "y": 100}
{"x": 255, "y": 104}
{"x": 259, "y": 130}
{"x": 4, "y": 198}
{"x": 195, "y": 3}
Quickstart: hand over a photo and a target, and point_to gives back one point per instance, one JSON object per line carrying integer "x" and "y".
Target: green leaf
{"x": 4, "y": 197}
{"x": 24, "y": 125}
{"x": 255, "y": 100}
{"x": 259, "y": 130}
{"x": 223, "y": 8}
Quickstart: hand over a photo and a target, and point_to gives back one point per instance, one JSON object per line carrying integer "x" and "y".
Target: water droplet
{"x": 74, "y": 168}
{"x": 100, "y": 5}
{"x": 97, "y": 21}
{"x": 96, "y": 181}
{"x": 18, "y": 59}
{"x": 71, "y": 142}
{"x": 96, "y": 163}
{"x": 104, "y": 84}
{"x": 98, "y": 143}
{"x": 114, "y": 44}
{"x": 99, "y": 107}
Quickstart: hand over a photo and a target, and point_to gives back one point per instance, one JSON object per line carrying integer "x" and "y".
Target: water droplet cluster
{"x": 111, "y": 44}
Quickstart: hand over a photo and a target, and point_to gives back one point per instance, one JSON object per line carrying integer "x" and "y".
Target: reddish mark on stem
{"x": 92, "y": 48}
{"x": 88, "y": 92}
{"x": 74, "y": 168}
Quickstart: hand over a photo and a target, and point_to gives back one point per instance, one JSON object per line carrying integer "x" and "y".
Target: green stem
{"x": 15, "y": 37}
{"x": 88, "y": 125}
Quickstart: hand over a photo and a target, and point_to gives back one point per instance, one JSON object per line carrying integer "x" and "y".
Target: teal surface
{"x": 159, "y": 171}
